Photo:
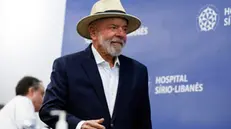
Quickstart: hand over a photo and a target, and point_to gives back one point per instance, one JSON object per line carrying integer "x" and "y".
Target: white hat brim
{"x": 82, "y": 26}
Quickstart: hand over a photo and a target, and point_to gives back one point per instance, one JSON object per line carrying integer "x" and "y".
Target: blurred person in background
{"x": 19, "y": 112}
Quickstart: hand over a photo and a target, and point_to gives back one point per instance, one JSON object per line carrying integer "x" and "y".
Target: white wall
{"x": 30, "y": 39}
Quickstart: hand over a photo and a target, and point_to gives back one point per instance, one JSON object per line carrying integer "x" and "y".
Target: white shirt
{"x": 17, "y": 112}
{"x": 110, "y": 79}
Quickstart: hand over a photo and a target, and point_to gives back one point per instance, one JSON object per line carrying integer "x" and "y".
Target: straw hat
{"x": 107, "y": 9}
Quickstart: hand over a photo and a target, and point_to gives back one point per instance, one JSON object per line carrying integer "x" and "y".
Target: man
{"x": 20, "y": 111}
{"x": 98, "y": 87}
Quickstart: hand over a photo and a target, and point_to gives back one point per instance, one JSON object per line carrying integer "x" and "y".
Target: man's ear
{"x": 92, "y": 30}
{"x": 30, "y": 91}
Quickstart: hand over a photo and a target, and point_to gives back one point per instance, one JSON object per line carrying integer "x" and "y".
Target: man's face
{"x": 110, "y": 35}
{"x": 37, "y": 97}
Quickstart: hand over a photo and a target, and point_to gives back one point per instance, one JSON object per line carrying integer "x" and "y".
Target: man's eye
{"x": 113, "y": 27}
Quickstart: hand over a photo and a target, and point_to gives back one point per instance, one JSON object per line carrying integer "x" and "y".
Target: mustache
{"x": 118, "y": 40}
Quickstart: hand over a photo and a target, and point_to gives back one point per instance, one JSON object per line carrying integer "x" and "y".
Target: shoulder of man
{"x": 131, "y": 61}
{"x": 22, "y": 100}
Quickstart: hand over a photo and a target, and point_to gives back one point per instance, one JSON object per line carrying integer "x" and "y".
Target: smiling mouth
{"x": 117, "y": 42}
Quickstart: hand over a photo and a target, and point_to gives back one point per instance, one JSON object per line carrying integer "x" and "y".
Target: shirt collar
{"x": 99, "y": 59}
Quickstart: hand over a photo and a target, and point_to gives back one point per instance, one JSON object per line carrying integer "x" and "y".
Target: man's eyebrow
{"x": 113, "y": 24}
{"x": 117, "y": 25}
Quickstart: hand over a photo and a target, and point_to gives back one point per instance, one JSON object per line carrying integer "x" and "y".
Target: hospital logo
{"x": 208, "y": 18}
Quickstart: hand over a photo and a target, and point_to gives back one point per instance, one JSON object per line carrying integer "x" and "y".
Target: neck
{"x": 29, "y": 96}
{"x": 109, "y": 59}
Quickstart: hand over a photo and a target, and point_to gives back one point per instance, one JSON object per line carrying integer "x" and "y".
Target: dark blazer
{"x": 77, "y": 88}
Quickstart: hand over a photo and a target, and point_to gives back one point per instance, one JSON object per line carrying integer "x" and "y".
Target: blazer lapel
{"x": 124, "y": 86}
{"x": 91, "y": 69}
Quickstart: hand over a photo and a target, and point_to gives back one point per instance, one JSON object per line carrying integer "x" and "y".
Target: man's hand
{"x": 93, "y": 124}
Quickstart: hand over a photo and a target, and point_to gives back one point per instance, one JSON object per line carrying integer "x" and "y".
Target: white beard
{"x": 114, "y": 49}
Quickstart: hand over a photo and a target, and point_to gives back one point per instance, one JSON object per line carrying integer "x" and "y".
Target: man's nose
{"x": 121, "y": 32}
